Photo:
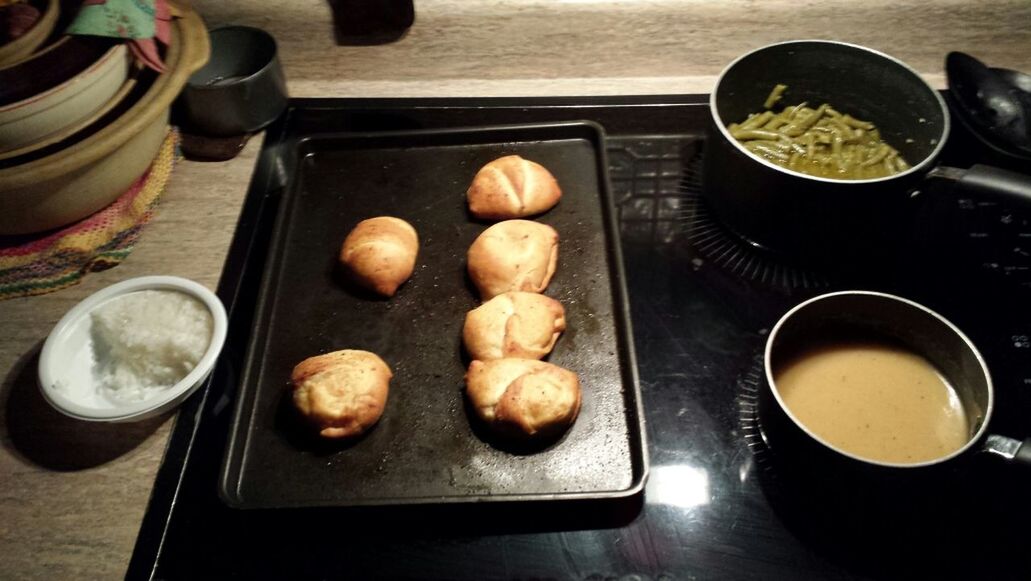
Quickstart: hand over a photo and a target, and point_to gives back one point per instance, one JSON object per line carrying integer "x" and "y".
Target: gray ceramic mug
{"x": 918, "y": 328}
{"x": 240, "y": 90}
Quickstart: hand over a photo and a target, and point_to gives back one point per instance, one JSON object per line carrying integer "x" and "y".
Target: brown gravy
{"x": 875, "y": 400}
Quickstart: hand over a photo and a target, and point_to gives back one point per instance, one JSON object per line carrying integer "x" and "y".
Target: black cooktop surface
{"x": 718, "y": 503}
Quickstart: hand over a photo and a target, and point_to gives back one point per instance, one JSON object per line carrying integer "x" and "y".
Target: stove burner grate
{"x": 657, "y": 186}
{"x": 726, "y": 250}
{"x": 748, "y": 386}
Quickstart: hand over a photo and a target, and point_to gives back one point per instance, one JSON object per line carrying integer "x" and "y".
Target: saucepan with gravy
{"x": 824, "y": 151}
{"x": 878, "y": 380}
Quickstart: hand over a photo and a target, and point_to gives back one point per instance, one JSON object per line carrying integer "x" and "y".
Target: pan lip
{"x": 919, "y": 168}
{"x": 971, "y": 442}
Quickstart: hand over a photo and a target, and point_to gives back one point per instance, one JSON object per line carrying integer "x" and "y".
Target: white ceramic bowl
{"x": 66, "y": 363}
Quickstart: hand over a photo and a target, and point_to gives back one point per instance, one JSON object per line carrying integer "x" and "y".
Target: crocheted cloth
{"x": 60, "y": 259}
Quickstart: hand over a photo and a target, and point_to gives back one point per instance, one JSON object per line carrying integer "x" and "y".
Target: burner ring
{"x": 749, "y": 386}
{"x": 725, "y": 249}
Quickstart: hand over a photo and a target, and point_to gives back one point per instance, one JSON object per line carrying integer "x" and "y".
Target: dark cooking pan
{"x": 813, "y": 218}
{"x": 837, "y": 315}
{"x": 847, "y": 502}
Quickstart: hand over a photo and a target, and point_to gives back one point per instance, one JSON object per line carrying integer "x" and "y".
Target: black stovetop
{"x": 715, "y": 505}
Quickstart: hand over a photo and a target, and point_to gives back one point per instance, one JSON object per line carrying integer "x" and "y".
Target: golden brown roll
{"x": 342, "y": 393}
{"x": 380, "y": 253}
{"x": 512, "y": 187}
{"x": 523, "y": 397}
{"x": 514, "y": 255}
{"x": 514, "y": 324}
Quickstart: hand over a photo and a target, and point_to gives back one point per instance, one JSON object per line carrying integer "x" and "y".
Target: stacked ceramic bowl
{"x": 79, "y": 123}
{"x": 43, "y": 103}
{"x": 25, "y": 27}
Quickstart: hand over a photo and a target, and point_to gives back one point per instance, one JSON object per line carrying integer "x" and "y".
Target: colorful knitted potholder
{"x": 60, "y": 259}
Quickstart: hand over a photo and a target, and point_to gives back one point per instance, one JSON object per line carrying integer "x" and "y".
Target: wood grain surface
{"x": 72, "y": 494}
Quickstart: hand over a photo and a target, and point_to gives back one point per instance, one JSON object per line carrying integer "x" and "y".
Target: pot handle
{"x": 987, "y": 181}
{"x": 1009, "y": 449}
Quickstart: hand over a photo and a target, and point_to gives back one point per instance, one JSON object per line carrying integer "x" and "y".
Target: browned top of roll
{"x": 512, "y": 187}
{"x": 523, "y": 395}
{"x": 514, "y": 255}
{"x": 514, "y": 324}
{"x": 380, "y": 253}
{"x": 341, "y": 393}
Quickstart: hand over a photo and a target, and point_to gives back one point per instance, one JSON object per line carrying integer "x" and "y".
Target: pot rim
{"x": 187, "y": 52}
{"x": 70, "y": 88}
{"x": 768, "y": 368}
{"x": 194, "y": 85}
{"x": 921, "y": 167}
{"x": 26, "y": 45}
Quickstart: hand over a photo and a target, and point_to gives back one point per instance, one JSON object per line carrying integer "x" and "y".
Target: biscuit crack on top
{"x": 511, "y": 189}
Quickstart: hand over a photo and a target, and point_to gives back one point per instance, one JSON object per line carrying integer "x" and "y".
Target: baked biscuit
{"x": 514, "y": 255}
{"x": 512, "y": 187}
{"x": 514, "y": 324}
{"x": 523, "y": 397}
{"x": 342, "y": 393}
{"x": 380, "y": 253}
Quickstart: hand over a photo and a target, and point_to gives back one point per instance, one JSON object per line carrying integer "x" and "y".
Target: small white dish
{"x": 66, "y": 364}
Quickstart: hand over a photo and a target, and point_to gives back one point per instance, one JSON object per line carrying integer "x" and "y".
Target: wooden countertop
{"x": 73, "y": 494}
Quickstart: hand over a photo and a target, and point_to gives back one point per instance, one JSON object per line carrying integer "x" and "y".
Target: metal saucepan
{"x": 901, "y": 321}
{"x": 240, "y": 90}
{"x": 819, "y": 219}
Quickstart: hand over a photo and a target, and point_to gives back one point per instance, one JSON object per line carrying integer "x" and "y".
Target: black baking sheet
{"x": 425, "y": 449}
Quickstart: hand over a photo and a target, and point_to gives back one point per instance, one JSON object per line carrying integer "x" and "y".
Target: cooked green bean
{"x": 889, "y": 166}
{"x": 774, "y": 96}
{"x": 844, "y": 128}
{"x": 798, "y": 127}
{"x": 856, "y": 122}
{"x": 764, "y": 149}
{"x": 756, "y": 121}
{"x": 876, "y": 158}
{"x": 745, "y": 134}
{"x": 823, "y": 141}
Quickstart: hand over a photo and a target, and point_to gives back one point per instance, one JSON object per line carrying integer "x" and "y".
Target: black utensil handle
{"x": 988, "y": 182}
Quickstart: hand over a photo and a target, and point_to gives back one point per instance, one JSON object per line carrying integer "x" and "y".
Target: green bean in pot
{"x": 822, "y": 142}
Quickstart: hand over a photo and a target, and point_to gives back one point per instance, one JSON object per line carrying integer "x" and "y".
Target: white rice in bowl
{"x": 147, "y": 341}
